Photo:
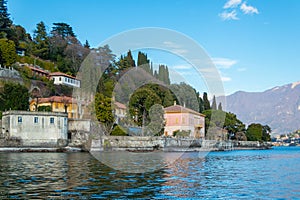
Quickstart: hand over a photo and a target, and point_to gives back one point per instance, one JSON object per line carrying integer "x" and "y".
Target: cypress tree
{"x": 220, "y": 106}
{"x": 5, "y": 22}
{"x": 214, "y": 104}
{"x": 206, "y": 102}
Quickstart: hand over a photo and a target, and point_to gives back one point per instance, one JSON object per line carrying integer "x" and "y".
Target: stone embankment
{"x": 123, "y": 143}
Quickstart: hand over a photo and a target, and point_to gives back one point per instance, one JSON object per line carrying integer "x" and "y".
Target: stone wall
{"x": 123, "y": 143}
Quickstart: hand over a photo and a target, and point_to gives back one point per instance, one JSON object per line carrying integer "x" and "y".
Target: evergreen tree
{"x": 214, "y": 104}
{"x": 5, "y": 22}
{"x": 63, "y": 30}
{"x": 220, "y": 106}
{"x": 87, "y": 45}
{"x": 41, "y": 41}
{"x": 201, "y": 105}
{"x": 206, "y": 102}
{"x": 144, "y": 62}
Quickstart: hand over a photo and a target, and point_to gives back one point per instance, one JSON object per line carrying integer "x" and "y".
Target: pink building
{"x": 184, "y": 119}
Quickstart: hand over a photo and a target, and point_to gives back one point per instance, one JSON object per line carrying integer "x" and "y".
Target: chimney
{"x": 174, "y": 103}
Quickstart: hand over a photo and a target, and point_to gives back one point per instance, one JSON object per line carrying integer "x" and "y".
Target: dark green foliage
{"x": 258, "y": 132}
{"x": 163, "y": 74}
{"x": 44, "y": 108}
{"x": 118, "y": 131}
{"x": 186, "y": 95}
{"x": 222, "y": 119}
{"x": 86, "y": 44}
{"x": 220, "y": 106}
{"x": 14, "y": 96}
{"x": 140, "y": 103}
{"x": 214, "y": 104}
{"x": 41, "y": 47}
{"x": 182, "y": 133}
{"x": 206, "y": 102}
{"x": 5, "y": 22}
{"x": 144, "y": 63}
{"x": 63, "y": 30}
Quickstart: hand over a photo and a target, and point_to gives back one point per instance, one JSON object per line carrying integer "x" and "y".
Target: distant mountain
{"x": 278, "y": 107}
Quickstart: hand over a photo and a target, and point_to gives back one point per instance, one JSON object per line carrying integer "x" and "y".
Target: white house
{"x": 36, "y": 128}
{"x": 60, "y": 78}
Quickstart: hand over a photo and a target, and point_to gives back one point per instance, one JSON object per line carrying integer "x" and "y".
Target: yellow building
{"x": 57, "y": 104}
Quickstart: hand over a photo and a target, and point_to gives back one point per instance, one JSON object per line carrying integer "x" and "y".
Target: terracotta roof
{"x": 120, "y": 105}
{"x": 38, "y": 70}
{"x": 61, "y": 74}
{"x": 59, "y": 99}
{"x": 181, "y": 109}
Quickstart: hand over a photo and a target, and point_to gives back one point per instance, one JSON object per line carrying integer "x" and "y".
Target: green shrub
{"x": 118, "y": 131}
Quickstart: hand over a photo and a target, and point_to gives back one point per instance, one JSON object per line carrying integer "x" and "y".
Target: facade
{"x": 36, "y": 128}
{"x": 179, "y": 118}
{"x": 62, "y": 104}
{"x": 60, "y": 78}
{"x": 120, "y": 111}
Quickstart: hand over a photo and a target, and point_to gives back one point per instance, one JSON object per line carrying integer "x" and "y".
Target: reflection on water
{"x": 230, "y": 175}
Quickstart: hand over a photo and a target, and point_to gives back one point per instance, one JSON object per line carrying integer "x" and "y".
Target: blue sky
{"x": 255, "y": 44}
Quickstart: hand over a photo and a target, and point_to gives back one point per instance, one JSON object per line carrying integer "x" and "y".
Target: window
{"x": 59, "y": 78}
{"x": 36, "y": 120}
{"x": 51, "y": 120}
{"x": 19, "y": 119}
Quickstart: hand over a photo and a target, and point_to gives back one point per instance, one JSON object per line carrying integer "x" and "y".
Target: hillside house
{"x": 62, "y": 104}
{"x": 60, "y": 78}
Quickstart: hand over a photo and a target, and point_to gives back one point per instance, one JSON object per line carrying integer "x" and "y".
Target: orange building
{"x": 179, "y": 118}
{"x": 57, "y": 104}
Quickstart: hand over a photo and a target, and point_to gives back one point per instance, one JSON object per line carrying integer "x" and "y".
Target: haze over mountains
{"x": 278, "y": 107}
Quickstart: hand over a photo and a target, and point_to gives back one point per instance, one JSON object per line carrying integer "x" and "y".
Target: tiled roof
{"x": 61, "y": 74}
{"x": 120, "y": 105}
{"x": 181, "y": 109}
{"x": 59, "y": 99}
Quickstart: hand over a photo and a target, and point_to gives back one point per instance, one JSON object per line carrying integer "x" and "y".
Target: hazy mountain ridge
{"x": 278, "y": 107}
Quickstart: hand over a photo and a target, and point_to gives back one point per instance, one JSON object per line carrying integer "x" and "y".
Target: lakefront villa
{"x": 180, "y": 118}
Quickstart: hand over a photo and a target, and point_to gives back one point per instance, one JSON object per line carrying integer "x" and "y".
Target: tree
{"x": 140, "y": 103}
{"x": 5, "y": 22}
{"x": 41, "y": 41}
{"x": 63, "y": 30}
{"x": 214, "y": 104}
{"x": 258, "y": 132}
{"x": 206, "y": 102}
{"x": 220, "y": 106}
{"x": 254, "y": 132}
{"x": 186, "y": 95}
{"x": 14, "y": 96}
{"x": 232, "y": 124}
{"x": 86, "y": 44}
{"x": 8, "y": 53}
{"x": 104, "y": 112}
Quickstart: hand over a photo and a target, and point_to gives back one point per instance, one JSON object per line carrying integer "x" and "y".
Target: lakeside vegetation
{"x": 60, "y": 50}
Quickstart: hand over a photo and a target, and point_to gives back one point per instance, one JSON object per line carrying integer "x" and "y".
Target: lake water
{"x": 245, "y": 174}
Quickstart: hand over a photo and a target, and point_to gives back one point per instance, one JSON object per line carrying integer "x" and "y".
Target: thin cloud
{"x": 224, "y": 63}
{"x": 229, "y": 15}
{"x": 248, "y": 9}
{"x": 185, "y": 67}
{"x": 175, "y": 48}
{"x": 232, "y": 4}
{"x": 225, "y": 78}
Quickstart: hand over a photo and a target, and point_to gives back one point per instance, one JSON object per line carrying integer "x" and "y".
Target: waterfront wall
{"x": 125, "y": 143}
{"x": 135, "y": 143}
